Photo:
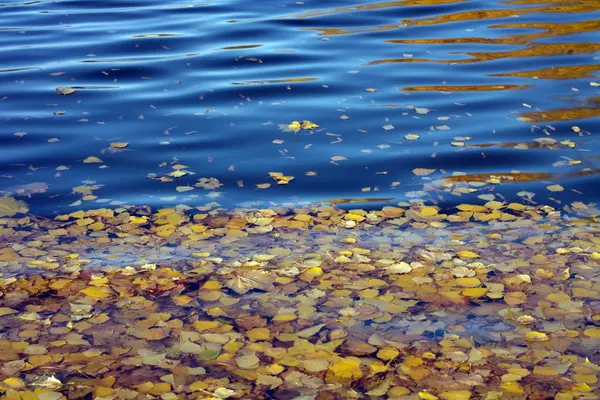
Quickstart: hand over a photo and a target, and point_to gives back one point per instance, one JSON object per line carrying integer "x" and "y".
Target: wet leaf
{"x": 10, "y": 206}
{"x": 92, "y": 159}
{"x": 423, "y": 171}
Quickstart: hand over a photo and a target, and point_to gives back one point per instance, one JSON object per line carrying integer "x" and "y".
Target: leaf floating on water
{"x": 10, "y": 206}
{"x": 64, "y": 91}
{"x": 119, "y": 145}
{"x": 534, "y": 336}
{"x": 92, "y": 160}
{"x": 555, "y": 188}
{"x": 423, "y": 171}
{"x": 388, "y": 127}
{"x": 20, "y": 134}
{"x": 295, "y": 126}
{"x": 429, "y": 211}
{"x": 309, "y": 125}
{"x": 338, "y": 158}
{"x": 263, "y": 185}
{"x": 412, "y": 136}
{"x": 280, "y": 178}
{"x": 209, "y": 183}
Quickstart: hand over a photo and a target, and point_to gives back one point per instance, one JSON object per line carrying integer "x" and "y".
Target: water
{"x": 207, "y": 85}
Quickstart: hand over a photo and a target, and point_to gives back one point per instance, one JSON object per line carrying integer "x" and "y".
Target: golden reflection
{"x": 553, "y": 29}
{"x": 561, "y": 114}
{"x": 478, "y": 15}
{"x": 522, "y": 145}
{"x": 502, "y": 177}
{"x": 275, "y": 81}
{"x": 464, "y": 88}
{"x": 549, "y": 30}
{"x": 565, "y": 72}
{"x": 533, "y": 50}
{"x": 518, "y": 177}
{"x": 370, "y": 7}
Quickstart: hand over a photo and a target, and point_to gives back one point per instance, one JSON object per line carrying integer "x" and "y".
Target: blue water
{"x": 208, "y": 85}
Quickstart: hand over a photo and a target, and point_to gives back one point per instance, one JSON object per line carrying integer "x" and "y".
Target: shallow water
{"x": 207, "y": 85}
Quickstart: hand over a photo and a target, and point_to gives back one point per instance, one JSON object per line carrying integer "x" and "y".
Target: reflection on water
{"x": 192, "y": 103}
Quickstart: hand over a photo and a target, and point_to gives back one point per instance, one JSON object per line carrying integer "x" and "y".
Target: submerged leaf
{"x": 10, "y": 206}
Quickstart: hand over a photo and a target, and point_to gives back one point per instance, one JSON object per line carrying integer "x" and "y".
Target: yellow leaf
{"x": 315, "y": 364}
{"x": 165, "y": 230}
{"x": 181, "y": 300}
{"x": 92, "y": 159}
{"x": 96, "y": 292}
{"x": 250, "y": 361}
{"x": 13, "y": 383}
{"x": 10, "y": 206}
{"x": 429, "y": 211}
{"x": 425, "y": 395}
{"x": 472, "y": 208}
{"x": 7, "y": 311}
{"x": 592, "y": 332}
{"x": 119, "y": 145}
{"x": 387, "y": 354}
{"x": 456, "y": 395}
{"x": 534, "y": 336}
{"x": 198, "y": 385}
{"x": 295, "y": 126}
{"x": 465, "y": 254}
{"x": 263, "y": 185}
{"x": 423, "y": 171}
{"x": 309, "y": 125}
{"x": 468, "y": 282}
{"x": 202, "y": 326}
{"x": 257, "y": 334}
{"x": 555, "y": 188}
{"x": 474, "y": 292}
{"x": 348, "y": 367}
{"x": 513, "y": 387}
{"x": 137, "y": 220}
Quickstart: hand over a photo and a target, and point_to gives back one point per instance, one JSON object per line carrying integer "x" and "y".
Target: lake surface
{"x": 133, "y": 102}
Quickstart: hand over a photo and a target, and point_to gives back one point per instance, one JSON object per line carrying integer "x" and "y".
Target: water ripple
{"x": 473, "y": 89}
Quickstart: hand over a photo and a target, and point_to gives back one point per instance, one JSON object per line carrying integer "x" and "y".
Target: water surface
{"x": 501, "y": 88}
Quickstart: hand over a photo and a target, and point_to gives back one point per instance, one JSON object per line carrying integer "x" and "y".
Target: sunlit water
{"x": 481, "y": 87}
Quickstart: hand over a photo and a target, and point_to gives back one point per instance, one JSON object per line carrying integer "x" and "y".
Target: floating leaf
{"x": 338, "y": 158}
{"x": 65, "y": 91}
{"x": 555, "y": 188}
{"x": 295, "y": 126}
{"x": 309, "y": 125}
{"x": 423, "y": 171}
{"x": 92, "y": 159}
{"x": 10, "y": 206}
